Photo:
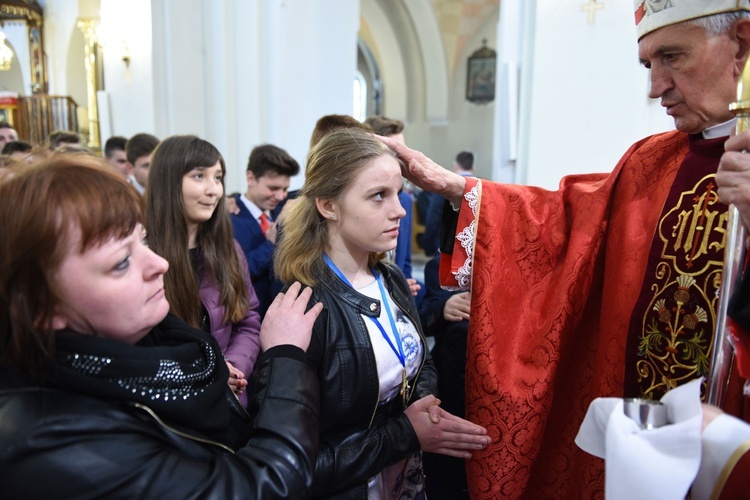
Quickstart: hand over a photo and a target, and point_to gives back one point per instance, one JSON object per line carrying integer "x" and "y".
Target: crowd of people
{"x": 162, "y": 337}
{"x": 146, "y": 317}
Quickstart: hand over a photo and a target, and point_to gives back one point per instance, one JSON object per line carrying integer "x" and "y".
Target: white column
{"x": 310, "y": 57}
{"x": 514, "y": 34}
{"x": 240, "y": 73}
{"x": 125, "y": 30}
{"x": 60, "y": 18}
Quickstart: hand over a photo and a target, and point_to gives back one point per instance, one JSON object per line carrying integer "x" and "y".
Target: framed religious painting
{"x": 480, "y": 77}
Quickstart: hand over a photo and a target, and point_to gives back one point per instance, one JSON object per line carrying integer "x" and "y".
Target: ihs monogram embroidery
{"x": 679, "y": 322}
{"x": 695, "y": 232}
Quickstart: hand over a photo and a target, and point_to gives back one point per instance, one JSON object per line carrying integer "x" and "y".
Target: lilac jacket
{"x": 239, "y": 342}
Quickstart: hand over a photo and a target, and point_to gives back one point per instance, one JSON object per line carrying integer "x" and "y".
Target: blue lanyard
{"x": 400, "y": 351}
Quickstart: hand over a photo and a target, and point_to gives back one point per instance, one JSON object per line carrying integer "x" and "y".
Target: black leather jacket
{"x": 56, "y": 444}
{"x": 358, "y": 439}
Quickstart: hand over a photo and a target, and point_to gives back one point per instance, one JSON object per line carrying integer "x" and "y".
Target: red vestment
{"x": 556, "y": 276}
{"x": 735, "y": 482}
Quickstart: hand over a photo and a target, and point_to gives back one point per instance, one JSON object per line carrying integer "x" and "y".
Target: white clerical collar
{"x": 720, "y": 130}
{"x": 254, "y": 209}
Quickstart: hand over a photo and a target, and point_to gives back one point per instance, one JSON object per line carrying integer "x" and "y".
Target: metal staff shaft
{"x": 722, "y": 353}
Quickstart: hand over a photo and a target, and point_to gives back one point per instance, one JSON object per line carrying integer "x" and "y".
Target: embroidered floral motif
{"x": 678, "y": 321}
{"x": 674, "y": 348}
{"x": 405, "y": 480}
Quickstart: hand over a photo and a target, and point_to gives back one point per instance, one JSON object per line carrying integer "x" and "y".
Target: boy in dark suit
{"x": 269, "y": 170}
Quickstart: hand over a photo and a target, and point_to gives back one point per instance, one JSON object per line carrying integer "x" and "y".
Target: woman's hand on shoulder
{"x": 286, "y": 321}
{"x": 442, "y": 432}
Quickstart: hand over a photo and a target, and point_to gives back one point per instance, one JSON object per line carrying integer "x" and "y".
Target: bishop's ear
{"x": 741, "y": 31}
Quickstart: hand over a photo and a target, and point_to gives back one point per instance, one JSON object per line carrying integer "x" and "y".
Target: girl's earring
{"x": 332, "y": 216}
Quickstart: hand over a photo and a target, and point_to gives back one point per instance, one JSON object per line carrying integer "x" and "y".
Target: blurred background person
{"x": 114, "y": 154}
{"x": 7, "y": 133}
{"x": 445, "y": 317}
{"x": 20, "y": 150}
{"x": 60, "y": 138}
{"x": 138, "y": 151}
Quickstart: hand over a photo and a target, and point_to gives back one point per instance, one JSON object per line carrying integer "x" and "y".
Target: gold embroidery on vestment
{"x": 674, "y": 345}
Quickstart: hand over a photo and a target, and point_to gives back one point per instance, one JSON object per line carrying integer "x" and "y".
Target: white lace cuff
{"x": 466, "y": 238}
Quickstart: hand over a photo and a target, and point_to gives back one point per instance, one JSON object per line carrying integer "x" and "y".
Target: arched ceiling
{"x": 418, "y": 45}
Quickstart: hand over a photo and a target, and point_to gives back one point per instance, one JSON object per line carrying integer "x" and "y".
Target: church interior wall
{"x": 371, "y": 76}
{"x": 60, "y": 18}
{"x": 311, "y": 79}
{"x": 75, "y": 76}
{"x": 126, "y": 31}
{"x": 589, "y": 99}
{"x": 181, "y": 62}
{"x": 432, "y": 60}
{"x": 381, "y": 38}
{"x": 439, "y": 120}
{"x": 208, "y": 76}
{"x": 471, "y": 124}
{"x": 514, "y": 51}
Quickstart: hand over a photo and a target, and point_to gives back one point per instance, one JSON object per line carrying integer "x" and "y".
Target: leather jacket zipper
{"x": 238, "y": 404}
{"x": 180, "y": 433}
{"x": 374, "y": 411}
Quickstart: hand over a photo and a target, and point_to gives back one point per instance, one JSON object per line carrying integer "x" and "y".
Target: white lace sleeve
{"x": 466, "y": 239}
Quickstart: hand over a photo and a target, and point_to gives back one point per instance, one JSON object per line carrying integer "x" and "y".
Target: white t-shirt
{"x": 389, "y": 366}
{"x": 390, "y": 372}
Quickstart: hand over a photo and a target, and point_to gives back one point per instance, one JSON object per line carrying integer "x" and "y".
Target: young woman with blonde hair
{"x": 377, "y": 379}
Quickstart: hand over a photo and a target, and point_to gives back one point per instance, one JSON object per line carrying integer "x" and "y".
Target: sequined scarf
{"x": 176, "y": 371}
